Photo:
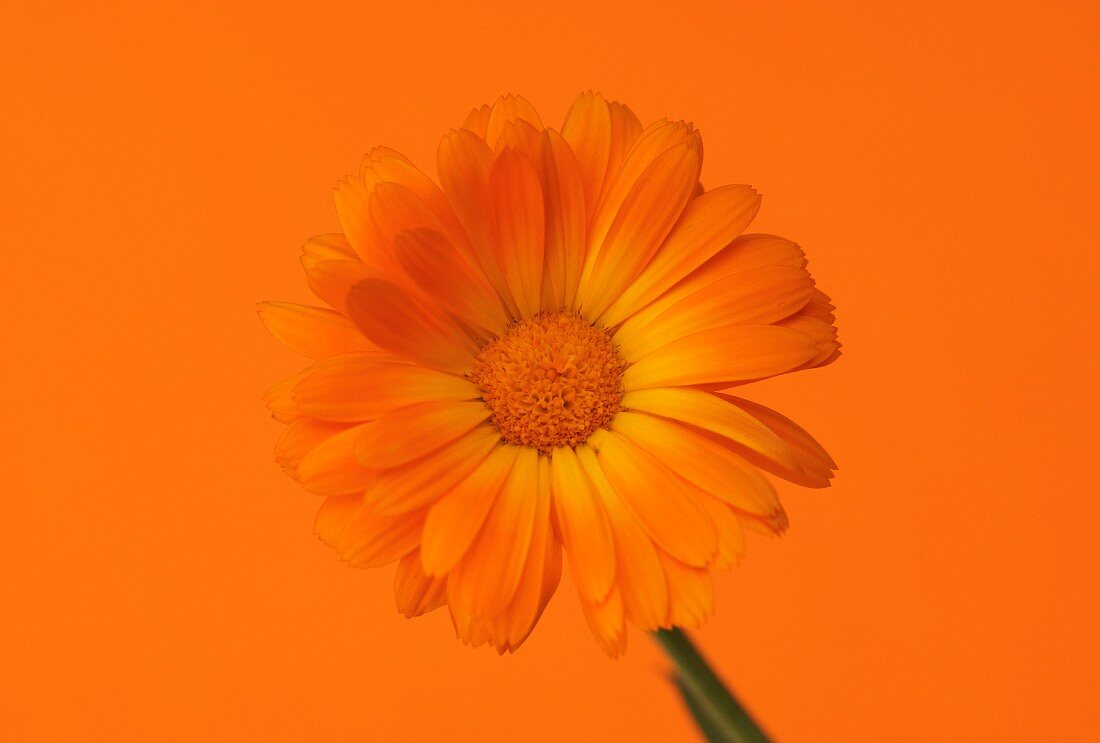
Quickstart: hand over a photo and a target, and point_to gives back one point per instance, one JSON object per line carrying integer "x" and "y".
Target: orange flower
{"x": 536, "y": 356}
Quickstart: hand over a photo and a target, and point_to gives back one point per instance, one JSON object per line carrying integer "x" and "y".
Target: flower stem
{"x": 719, "y": 715}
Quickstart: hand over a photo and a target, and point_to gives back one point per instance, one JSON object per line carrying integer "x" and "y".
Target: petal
{"x": 425, "y": 480}
{"x": 330, "y": 247}
{"x": 485, "y": 580}
{"x": 300, "y": 438}
{"x": 333, "y": 516}
{"x": 709, "y": 222}
{"x": 464, "y": 163}
{"x": 541, "y": 573}
{"x": 583, "y": 526}
{"x": 731, "y": 536}
{"x": 639, "y": 575}
{"x": 721, "y": 355}
{"x": 758, "y": 296}
{"x": 390, "y": 318}
{"x": 587, "y": 129}
{"x": 412, "y": 432}
{"x": 814, "y": 465}
{"x": 312, "y": 331}
{"x": 661, "y": 502}
{"x": 606, "y": 622}
{"x": 370, "y": 540}
{"x": 703, "y": 462}
{"x": 651, "y": 145}
{"x": 625, "y": 132}
{"x": 454, "y": 521}
{"x": 332, "y": 280}
{"x": 711, "y": 413}
{"x": 332, "y": 468}
{"x": 563, "y": 193}
{"x": 690, "y": 592}
{"x": 477, "y": 121}
{"x": 439, "y": 270}
{"x": 361, "y": 387}
{"x": 415, "y": 592}
{"x": 509, "y": 108}
{"x": 519, "y": 228}
{"x": 650, "y": 209}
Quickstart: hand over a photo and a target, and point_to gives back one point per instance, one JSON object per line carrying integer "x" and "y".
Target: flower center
{"x": 551, "y": 380}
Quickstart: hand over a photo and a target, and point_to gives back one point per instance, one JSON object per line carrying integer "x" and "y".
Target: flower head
{"x": 536, "y": 357}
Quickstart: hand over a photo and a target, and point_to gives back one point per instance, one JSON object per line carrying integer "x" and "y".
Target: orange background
{"x": 161, "y": 165}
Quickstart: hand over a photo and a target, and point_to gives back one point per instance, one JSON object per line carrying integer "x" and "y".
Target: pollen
{"x": 551, "y": 380}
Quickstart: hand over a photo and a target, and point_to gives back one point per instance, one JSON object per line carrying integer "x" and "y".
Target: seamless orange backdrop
{"x": 162, "y": 163}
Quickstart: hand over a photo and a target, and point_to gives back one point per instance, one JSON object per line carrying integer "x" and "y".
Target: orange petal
{"x": 654, "y": 142}
{"x": 606, "y": 622}
{"x": 731, "y": 537}
{"x": 361, "y": 387}
{"x": 331, "y": 468}
{"x": 509, "y": 108}
{"x": 312, "y": 331}
{"x": 440, "y": 271}
{"x": 759, "y": 296}
{"x": 583, "y": 525}
{"x": 370, "y": 540}
{"x": 710, "y": 412}
{"x": 720, "y": 356}
{"x": 565, "y": 222}
{"x": 300, "y": 438}
{"x": 815, "y": 466}
{"x": 332, "y": 280}
{"x": 415, "y": 592}
{"x": 625, "y": 132}
{"x": 352, "y": 199}
{"x": 690, "y": 592}
{"x": 485, "y": 580}
{"x": 647, "y": 213}
{"x": 701, "y": 461}
{"x": 587, "y": 129}
{"x": 661, "y": 502}
{"x": 392, "y": 319}
{"x": 424, "y": 481}
{"x": 709, "y": 222}
{"x": 464, "y": 162}
{"x": 541, "y": 573}
{"x": 454, "y": 521}
{"x": 477, "y": 121}
{"x": 412, "y": 432}
{"x": 639, "y": 574}
{"x": 520, "y": 228}
{"x": 333, "y": 516}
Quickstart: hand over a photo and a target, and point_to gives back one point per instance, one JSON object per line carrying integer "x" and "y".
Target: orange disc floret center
{"x": 551, "y": 380}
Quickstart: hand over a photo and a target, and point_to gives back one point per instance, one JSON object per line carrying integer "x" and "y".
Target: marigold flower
{"x": 537, "y": 356}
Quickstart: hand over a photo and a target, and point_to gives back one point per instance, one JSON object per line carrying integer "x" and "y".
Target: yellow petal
{"x": 583, "y": 525}
{"x": 606, "y": 622}
{"x": 587, "y": 129}
{"x": 565, "y": 222}
{"x": 454, "y": 521}
{"x": 370, "y": 540}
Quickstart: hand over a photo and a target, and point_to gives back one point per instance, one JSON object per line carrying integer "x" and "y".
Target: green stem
{"x": 720, "y": 717}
